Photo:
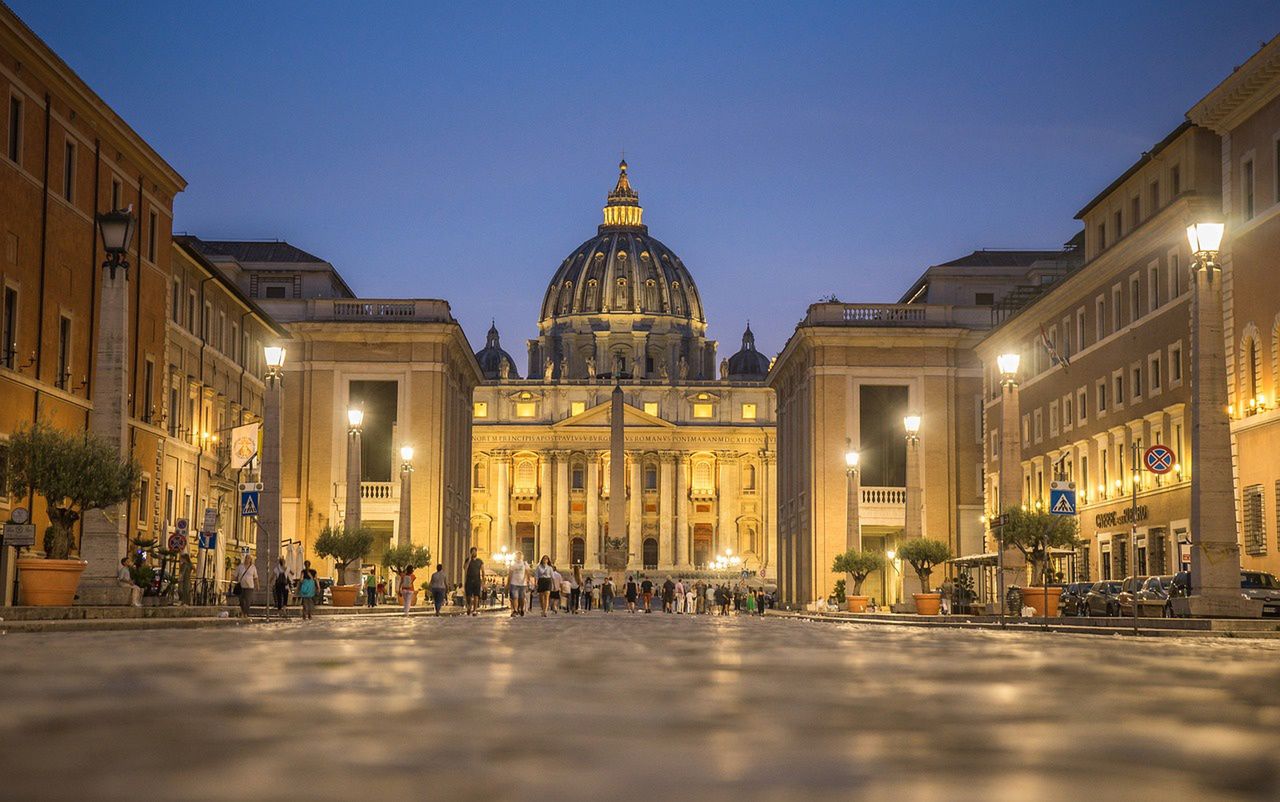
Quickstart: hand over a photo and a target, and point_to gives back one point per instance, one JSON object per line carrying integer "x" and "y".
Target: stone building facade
{"x": 623, "y": 309}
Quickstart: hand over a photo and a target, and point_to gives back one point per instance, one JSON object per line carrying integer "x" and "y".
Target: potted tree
{"x": 397, "y": 557}
{"x": 344, "y": 546}
{"x": 76, "y": 473}
{"x": 924, "y": 554}
{"x": 858, "y": 565}
{"x": 1035, "y": 534}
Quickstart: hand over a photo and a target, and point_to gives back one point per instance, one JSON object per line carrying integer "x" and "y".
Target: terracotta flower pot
{"x": 928, "y": 603}
{"x": 857, "y": 604}
{"x": 1044, "y": 600}
{"x": 345, "y": 595}
{"x": 48, "y": 583}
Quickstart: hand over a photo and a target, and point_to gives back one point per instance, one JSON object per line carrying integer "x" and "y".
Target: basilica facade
{"x": 700, "y": 480}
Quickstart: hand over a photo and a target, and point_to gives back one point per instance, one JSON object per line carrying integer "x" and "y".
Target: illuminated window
{"x": 577, "y": 407}
{"x": 702, "y": 475}
{"x": 748, "y": 411}
{"x": 749, "y": 478}
{"x": 526, "y": 409}
{"x": 651, "y": 408}
{"x": 702, "y": 410}
{"x": 480, "y": 409}
{"x": 525, "y": 474}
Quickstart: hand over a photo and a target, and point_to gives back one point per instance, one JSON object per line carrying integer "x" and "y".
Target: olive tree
{"x": 344, "y": 545}
{"x": 924, "y": 554}
{"x": 858, "y": 565}
{"x": 1035, "y": 534}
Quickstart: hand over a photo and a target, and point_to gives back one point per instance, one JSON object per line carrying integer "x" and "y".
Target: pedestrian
{"x": 566, "y": 592}
{"x": 407, "y": 590}
{"x": 668, "y": 596}
{"x": 588, "y": 588}
{"x": 280, "y": 584}
{"x": 185, "y": 569}
{"x": 680, "y": 596}
{"x": 751, "y": 603}
{"x": 246, "y": 576}
{"x": 606, "y": 594}
{"x": 473, "y": 581}
{"x": 575, "y": 590}
{"x": 556, "y": 579}
{"x": 545, "y": 576}
{"x": 710, "y": 599}
{"x": 646, "y": 590}
{"x": 124, "y": 578}
{"x": 630, "y": 592}
{"x": 371, "y": 590}
{"x": 517, "y": 579}
{"x": 308, "y": 590}
{"x": 439, "y": 585}
{"x": 760, "y": 604}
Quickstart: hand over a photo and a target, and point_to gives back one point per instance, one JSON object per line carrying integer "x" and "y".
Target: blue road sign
{"x": 208, "y": 540}
{"x": 1159, "y": 459}
{"x": 249, "y": 503}
{"x": 1062, "y": 498}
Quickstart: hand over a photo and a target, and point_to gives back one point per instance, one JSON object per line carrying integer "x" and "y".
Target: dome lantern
{"x": 622, "y": 208}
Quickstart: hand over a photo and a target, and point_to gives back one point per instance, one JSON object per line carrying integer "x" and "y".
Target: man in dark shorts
{"x": 668, "y": 596}
{"x": 646, "y": 590}
{"x": 473, "y": 586}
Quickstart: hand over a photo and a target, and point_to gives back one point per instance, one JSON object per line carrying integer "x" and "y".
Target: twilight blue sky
{"x": 785, "y": 150}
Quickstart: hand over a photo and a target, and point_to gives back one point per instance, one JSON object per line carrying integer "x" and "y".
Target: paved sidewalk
{"x": 639, "y": 706}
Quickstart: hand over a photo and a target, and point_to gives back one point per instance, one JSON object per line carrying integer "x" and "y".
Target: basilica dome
{"x": 748, "y": 363}
{"x": 622, "y": 270}
{"x": 495, "y": 363}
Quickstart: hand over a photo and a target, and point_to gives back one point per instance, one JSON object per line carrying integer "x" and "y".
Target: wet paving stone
{"x": 634, "y": 706}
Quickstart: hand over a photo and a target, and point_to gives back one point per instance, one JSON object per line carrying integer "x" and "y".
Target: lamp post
{"x": 269, "y": 513}
{"x": 103, "y": 534}
{"x": 1215, "y": 552}
{"x": 913, "y": 523}
{"x": 1009, "y": 561}
{"x": 355, "y": 427}
{"x": 853, "y": 527}
{"x": 406, "y": 483}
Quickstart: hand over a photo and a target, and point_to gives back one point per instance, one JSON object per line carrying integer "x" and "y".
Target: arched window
{"x": 578, "y": 480}
{"x": 650, "y": 553}
{"x": 566, "y": 297}
{"x": 477, "y": 476}
{"x": 526, "y": 475}
{"x": 749, "y": 478}
{"x": 620, "y": 299}
{"x": 577, "y": 551}
{"x": 702, "y": 475}
{"x": 1253, "y": 368}
{"x": 650, "y": 477}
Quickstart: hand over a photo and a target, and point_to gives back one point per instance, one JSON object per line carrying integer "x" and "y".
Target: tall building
{"x": 68, "y": 157}
{"x": 622, "y": 309}
{"x": 847, "y": 378}
{"x": 1244, "y": 110}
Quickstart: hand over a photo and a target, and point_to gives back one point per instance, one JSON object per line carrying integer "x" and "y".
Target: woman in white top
{"x": 544, "y": 575}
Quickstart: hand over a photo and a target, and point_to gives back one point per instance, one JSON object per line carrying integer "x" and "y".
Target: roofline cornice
{"x": 1242, "y": 93}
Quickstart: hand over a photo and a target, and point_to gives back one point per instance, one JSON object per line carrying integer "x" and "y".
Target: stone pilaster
{"x": 546, "y": 503}
{"x": 562, "y": 553}
{"x": 666, "y": 502}
{"x": 502, "y": 498}
{"x": 593, "y": 509}
{"x": 635, "y": 508}
{"x": 269, "y": 508}
{"x": 683, "y": 556}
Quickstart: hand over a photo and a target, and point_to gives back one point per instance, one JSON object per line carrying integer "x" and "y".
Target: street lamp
{"x": 355, "y": 424}
{"x": 355, "y": 421}
{"x": 912, "y": 425}
{"x": 273, "y": 356}
{"x": 269, "y": 509}
{"x": 853, "y": 526}
{"x": 1215, "y": 552}
{"x": 913, "y": 514}
{"x": 116, "y": 228}
{"x": 406, "y": 486}
{"x": 1010, "y": 484}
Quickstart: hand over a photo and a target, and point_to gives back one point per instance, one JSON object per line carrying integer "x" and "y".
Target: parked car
{"x": 1129, "y": 588}
{"x": 1155, "y": 593}
{"x": 1072, "y": 601}
{"x": 1101, "y": 598}
{"x": 1258, "y": 585}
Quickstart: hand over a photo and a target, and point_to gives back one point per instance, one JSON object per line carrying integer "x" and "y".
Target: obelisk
{"x": 617, "y": 474}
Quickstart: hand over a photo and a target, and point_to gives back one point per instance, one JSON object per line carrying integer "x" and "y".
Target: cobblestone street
{"x": 628, "y": 706}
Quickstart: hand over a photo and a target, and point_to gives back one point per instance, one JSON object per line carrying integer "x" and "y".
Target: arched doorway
{"x": 702, "y": 544}
{"x": 650, "y": 553}
{"x": 577, "y": 551}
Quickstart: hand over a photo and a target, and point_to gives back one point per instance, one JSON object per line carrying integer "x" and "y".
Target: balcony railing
{"x": 391, "y": 310}
{"x": 884, "y": 495}
{"x": 379, "y": 491}
{"x": 898, "y": 315}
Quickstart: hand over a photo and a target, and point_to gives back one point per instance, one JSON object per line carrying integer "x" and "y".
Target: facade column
{"x": 593, "y": 509}
{"x": 561, "y": 525}
{"x": 683, "y": 557}
{"x": 635, "y": 525}
{"x": 502, "y": 535}
{"x": 352, "y": 514}
{"x": 770, "y": 558}
{"x": 546, "y": 498}
{"x": 726, "y": 502}
{"x": 666, "y": 498}
{"x": 1012, "y": 563}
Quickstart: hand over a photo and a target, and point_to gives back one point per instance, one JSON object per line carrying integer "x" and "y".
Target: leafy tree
{"x": 75, "y": 472}
{"x": 398, "y": 557}
{"x": 344, "y": 545}
{"x": 858, "y": 565}
{"x": 1035, "y": 534}
{"x": 924, "y": 553}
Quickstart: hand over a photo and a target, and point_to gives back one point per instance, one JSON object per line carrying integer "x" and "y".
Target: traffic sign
{"x": 997, "y": 521}
{"x": 207, "y": 540}
{"x": 178, "y": 540}
{"x": 1062, "y": 498}
{"x": 249, "y": 503}
{"x": 20, "y": 515}
{"x": 1159, "y": 459}
{"x": 19, "y": 535}
{"x": 210, "y": 520}
{"x": 181, "y": 526}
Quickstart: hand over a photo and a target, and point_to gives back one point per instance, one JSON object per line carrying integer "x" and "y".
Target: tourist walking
{"x": 668, "y": 596}
{"x": 566, "y": 591}
{"x": 679, "y": 595}
{"x": 246, "y": 577}
{"x": 606, "y": 594}
{"x": 473, "y": 581}
{"x": 439, "y": 586}
{"x": 646, "y": 590}
{"x": 630, "y": 593}
{"x": 575, "y": 590}
{"x": 690, "y": 600}
{"x": 308, "y": 590}
{"x": 185, "y": 569}
{"x": 517, "y": 580}
{"x": 280, "y": 584}
{"x": 545, "y": 576}
{"x": 407, "y": 590}
{"x": 371, "y": 590}
{"x": 588, "y": 588}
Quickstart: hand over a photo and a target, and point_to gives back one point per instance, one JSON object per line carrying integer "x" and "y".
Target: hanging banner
{"x": 244, "y": 445}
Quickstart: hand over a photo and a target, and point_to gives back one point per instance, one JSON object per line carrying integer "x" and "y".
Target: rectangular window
{"x": 1136, "y": 386}
{"x": 1068, "y": 417}
{"x": 206, "y": 322}
{"x": 651, "y": 408}
{"x": 116, "y": 191}
{"x": 152, "y": 219}
{"x": 1175, "y": 180}
{"x": 702, "y": 410}
{"x": 1175, "y": 362}
{"x": 748, "y": 411}
{"x": 1153, "y": 286}
{"x": 1053, "y": 418}
{"x": 144, "y": 501}
{"x": 1038, "y": 424}
{"x": 526, "y": 409}
{"x": 69, "y": 171}
{"x": 1255, "y": 527}
{"x": 177, "y": 301}
{"x": 1247, "y": 189}
{"x": 1175, "y": 282}
{"x": 191, "y": 311}
{"x": 64, "y": 352}
{"x": 10, "y": 343}
{"x": 1082, "y": 405}
{"x": 174, "y": 413}
{"x": 1102, "y": 236}
{"x": 480, "y": 409}
{"x": 577, "y": 407}
{"x": 1117, "y": 222}
{"x": 1102, "y": 396}
{"x": 1117, "y": 309}
{"x": 15, "y": 130}
{"x": 275, "y": 291}
{"x": 1117, "y": 394}
{"x": 984, "y": 298}
{"x": 235, "y": 342}
{"x": 1154, "y": 196}
{"x": 1135, "y": 298}
{"x": 1135, "y": 211}
{"x": 1080, "y": 329}
{"x": 1084, "y": 472}
{"x": 148, "y": 390}
{"x": 1099, "y": 318}
{"x": 1153, "y": 372}
{"x": 168, "y": 505}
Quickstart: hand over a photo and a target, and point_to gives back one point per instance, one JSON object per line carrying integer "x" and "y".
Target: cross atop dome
{"x": 622, "y": 209}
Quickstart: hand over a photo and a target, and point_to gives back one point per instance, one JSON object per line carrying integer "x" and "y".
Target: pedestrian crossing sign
{"x": 1062, "y": 498}
{"x": 249, "y": 503}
